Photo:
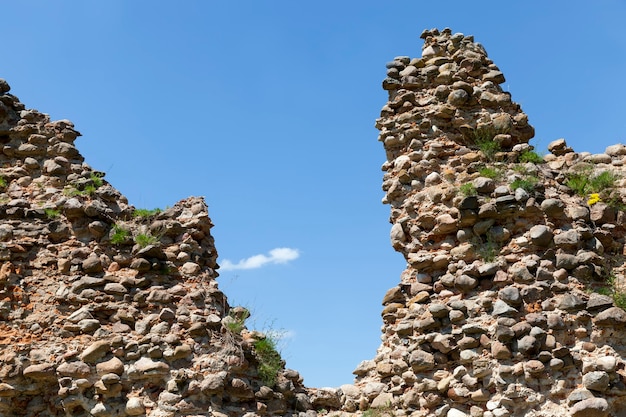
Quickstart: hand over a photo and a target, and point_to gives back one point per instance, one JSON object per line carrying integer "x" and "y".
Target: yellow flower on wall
{"x": 593, "y": 199}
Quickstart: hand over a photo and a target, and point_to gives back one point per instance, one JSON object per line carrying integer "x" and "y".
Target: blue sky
{"x": 267, "y": 109}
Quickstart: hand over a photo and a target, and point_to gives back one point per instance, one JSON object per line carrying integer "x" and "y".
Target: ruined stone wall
{"x": 506, "y": 306}
{"x": 109, "y": 311}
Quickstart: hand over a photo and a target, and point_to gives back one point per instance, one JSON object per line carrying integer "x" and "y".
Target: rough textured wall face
{"x": 496, "y": 313}
{"x": 109, "y": 311}
{"x": 507, "y": 306}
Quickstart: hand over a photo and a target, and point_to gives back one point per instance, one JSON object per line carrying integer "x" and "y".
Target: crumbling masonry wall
{"x": 496, "y": 313}
{"x": 107, "y": 311}
{"x": 507, "y": 306}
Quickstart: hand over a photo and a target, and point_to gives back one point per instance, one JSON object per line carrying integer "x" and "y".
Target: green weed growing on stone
{"x": 269, "y": 359}
{"x": 489, "y": 149}
{"x": 615, "y": 290}
{"x": 520, "y": 169}
{"x": 89, "y": 189}
{"x": 578, "y": 184}
{"x": 530, "y": 156}
{"x": 85, "y": 188}
{"x": 602, "y": 181}
{"x": 3, "y": 183}
{"x": 583, "y": 182}
{"x": 96, "y": 179}
{"x": 379, "y": 411}
{"x": 52, "y": 213}
{"x": 619, "y": 298}
{"x": 468, "y": 189}
{"x": 145, "y": 239}
{"x": 119, "y": 235}
{"x": 489, "y": 172}
{"x": 615, "y": 201}
{"x": 483, "y": 138}
{"x": 487, "y": 249}
{"x": 237, "y": 322}
{"x": 528, "y": 184}
{"x": 145, "y": 213}
{"x": 73, "y": 190}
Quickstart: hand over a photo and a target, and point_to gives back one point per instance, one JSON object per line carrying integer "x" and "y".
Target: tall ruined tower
{"x": 495, "y": 313}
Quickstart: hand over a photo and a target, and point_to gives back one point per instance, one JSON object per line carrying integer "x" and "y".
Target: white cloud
{"x": 275, "y": 256}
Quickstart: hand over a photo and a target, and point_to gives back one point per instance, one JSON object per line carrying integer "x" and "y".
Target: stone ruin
{"x": 508, "y": 305}
{"x": 500, "y": 310}
{"x": 108, "y": 311}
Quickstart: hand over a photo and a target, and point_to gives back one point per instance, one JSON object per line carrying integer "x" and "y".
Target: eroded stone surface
{"x": 95, "y": 322}
{"x": 508, "y": 323}
{"x": 495, "y": 314}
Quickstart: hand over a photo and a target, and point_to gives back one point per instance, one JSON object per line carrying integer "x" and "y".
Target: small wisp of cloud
{"x": 275, "y": 256}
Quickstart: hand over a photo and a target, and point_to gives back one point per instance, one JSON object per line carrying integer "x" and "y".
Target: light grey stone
{"x": 541, "y": 235}
{"x": 115, "y": 288}
{"x": 598, "y": 158}
{"x": 606, "y": 363}
{"x": 421, "y": 360}
{"x": 500, "y": 308}
{"x": 520, "y": 273}
{"x": 465, "y": 283}
{"x": 501, "y": 190}
{"x": 579, "y": 394}
{"x": 455, "y": 412}
{"x": 596, "y": 381}
{"x": 566, "y": 261}
{"x": 528, "y": 345}
{"x": 135, "y": 407}
{"x": 552, "y": 207}
{"x": 568, "y": 240}
{"x": 521, "y": 195}
{"x": 382, "y": 400}
{"x": 510, "y": 295}
{"x": 96, "y": 351}
{"x": 613, "y": 316}
{"x": 458, "y": 98}
{"x": 397, "y": 235}
{"x": 146, "y": 368}
{"x": 494, "y": 76}
{"x": 372, "y": 389}
{"x": 616, "y": 150}
{"x": 484, "y": 185}
{"x": 88, "y": 325}
{"x": 190, "y": 268}
{"x": 40, "y": 371}
{"x": 432, "y": 179}
{"x": 101, "y": 410}
{"x": 80, "y": 314}
{"x": 571, "y": 302}
{"x": 488, "y": 269}
{"x": 438, "y": 310}
{"x": 75, "y": 369}
{"x": 591, "y": 407}
{"x": 213, "y": 383}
